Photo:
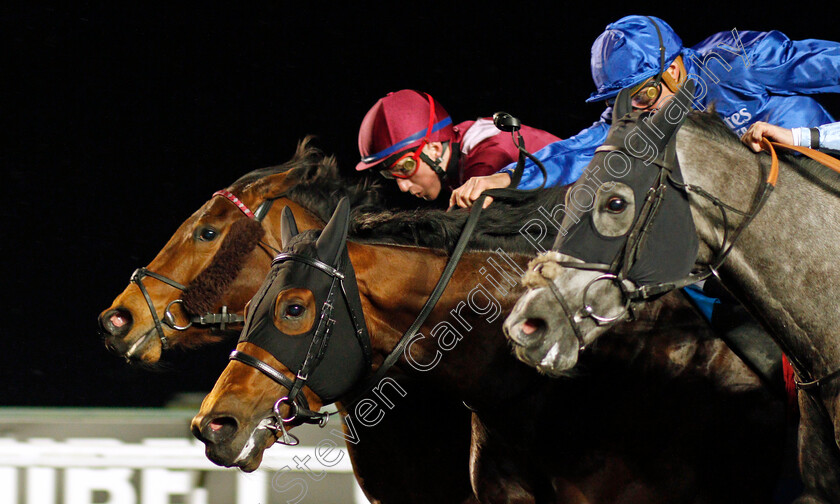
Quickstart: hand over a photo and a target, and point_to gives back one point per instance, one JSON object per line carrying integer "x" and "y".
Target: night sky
{"x": 120, "y": 121}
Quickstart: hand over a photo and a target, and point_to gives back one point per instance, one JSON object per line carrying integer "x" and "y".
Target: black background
{"x": 120, "y": 121}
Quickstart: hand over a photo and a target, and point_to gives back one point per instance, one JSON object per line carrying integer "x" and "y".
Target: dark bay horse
{"x": 679, "y": 198}
{"x": 221, "y": 255}
{"x": 668, "y": 415}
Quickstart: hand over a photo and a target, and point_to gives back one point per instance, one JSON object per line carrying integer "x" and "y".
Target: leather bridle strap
{"x": 429, "y": 305}
{"x": 570, "y": 316}
{"x": 137, "y": 278}
{"x": 320, "y": 340}
{"x": 236, "y": 201}
{"x": 770, "y": 184}
{"x": 317, "y": 347}
{"x": 267, "y": 370}
{"x": 303, "y": 410}
{"x": 834, "y": 164}
{"x": 310, "y": 261}
{"x": 650, "y": 290}
{"x": 257, "y": 215}
{"x": 223, "y": 318}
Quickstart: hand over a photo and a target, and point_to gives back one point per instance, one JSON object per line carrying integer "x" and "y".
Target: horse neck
{"x": 462, "y": 344}
{"x": 783, "y": 267}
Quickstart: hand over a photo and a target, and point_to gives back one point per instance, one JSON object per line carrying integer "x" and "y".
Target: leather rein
{"x": 640, "y": 229}
{"x": 300, "y": 412}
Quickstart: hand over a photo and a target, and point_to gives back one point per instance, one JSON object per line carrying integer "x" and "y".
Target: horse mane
{"x": 501, "y": 222}
{"x": 317, "y": 184}
{"x": 712, "y": 127}
{"x": 498, "y": 226}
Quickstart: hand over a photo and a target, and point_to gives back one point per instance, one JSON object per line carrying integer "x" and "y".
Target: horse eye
{"x": 207, "y": 234}
{"x": 294, "y": 310}
{"x": 616, "y": 204}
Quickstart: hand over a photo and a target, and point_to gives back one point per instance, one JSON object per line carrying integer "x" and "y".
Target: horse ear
{"x": 669, "y": 118}
{"x": 288, "y": 226}
{"x": 334, "y": 235}
{"x": 622, "y": 105}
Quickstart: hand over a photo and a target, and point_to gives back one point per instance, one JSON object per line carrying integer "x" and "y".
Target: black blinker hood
{"x": 344, "y": 358}
{"x": 665, "y": 242}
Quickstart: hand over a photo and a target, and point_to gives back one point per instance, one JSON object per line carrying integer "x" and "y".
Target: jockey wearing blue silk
{"x": 749, "y": 76}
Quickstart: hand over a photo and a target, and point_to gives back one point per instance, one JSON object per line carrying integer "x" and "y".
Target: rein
{"x": 325, "y": 323}
{"x": 646, "y": 216}
{"x": 769, "y": 185}
{"x": 831, "y": 162}
{"x": 458, "y": 251}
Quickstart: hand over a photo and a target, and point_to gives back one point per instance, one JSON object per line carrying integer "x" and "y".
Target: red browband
{"x": 236, "y": 201}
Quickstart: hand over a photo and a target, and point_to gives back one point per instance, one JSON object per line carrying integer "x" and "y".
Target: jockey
{"x": 749, "y": 76}
{"x": 409, "y": 137}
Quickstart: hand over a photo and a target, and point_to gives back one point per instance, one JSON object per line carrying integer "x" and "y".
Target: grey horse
{"x": 674, "y": 198}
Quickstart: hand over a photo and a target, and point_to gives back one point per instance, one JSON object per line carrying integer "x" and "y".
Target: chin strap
{"x": 435, "y": 164}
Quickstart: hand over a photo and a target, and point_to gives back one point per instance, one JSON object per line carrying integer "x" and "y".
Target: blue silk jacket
{"x": 748, "y": 76}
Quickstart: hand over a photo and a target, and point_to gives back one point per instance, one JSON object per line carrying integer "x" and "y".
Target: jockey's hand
{"x": 759, "y": 130}
{"x": 465, "y": 195}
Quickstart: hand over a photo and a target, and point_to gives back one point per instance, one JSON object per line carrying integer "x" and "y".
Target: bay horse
{"x": 675, "y": 198}
{"x": 221, "y": 251}
{"x": 218, "y": 258}
{"x": 669, "y": 415}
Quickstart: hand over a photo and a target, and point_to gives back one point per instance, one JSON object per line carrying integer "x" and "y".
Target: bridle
{"x": 224, "y": 317}
{"x": 617, "y": 271}
{"x": 295, "y": 399}
{"x": 299, "y": 410}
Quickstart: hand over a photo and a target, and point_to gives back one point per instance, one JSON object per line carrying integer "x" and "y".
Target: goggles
{"x": 405, "y": 166}
{"x": 646, "y": 94}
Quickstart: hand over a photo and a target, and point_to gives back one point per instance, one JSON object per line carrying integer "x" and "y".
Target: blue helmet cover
{"x": 627, "y": 53}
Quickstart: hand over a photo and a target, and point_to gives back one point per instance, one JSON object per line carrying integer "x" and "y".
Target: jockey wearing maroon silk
{"x": 484, "y": 149}
{"x": 409, "y": 137}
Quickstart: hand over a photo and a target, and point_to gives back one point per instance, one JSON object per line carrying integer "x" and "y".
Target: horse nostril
{"x": 532, "y": 325}
{"x": 115, "y": 322}
{"x": 528, "y": 331}
{"x": 220, "y": 429}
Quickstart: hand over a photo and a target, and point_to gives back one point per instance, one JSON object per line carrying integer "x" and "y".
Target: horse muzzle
{"x": 229, "y": 443}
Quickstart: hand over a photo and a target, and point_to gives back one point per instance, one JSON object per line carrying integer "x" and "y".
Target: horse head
{"x": 199, "y": 282}
{"x": 626, "y": 234}
{"x": 304, "y": 344}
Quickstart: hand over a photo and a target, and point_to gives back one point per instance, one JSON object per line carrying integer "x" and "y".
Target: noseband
{"x": 618, "y": 271}
{"x": 223, "y": 318}
{"x": 295, "y": 399}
